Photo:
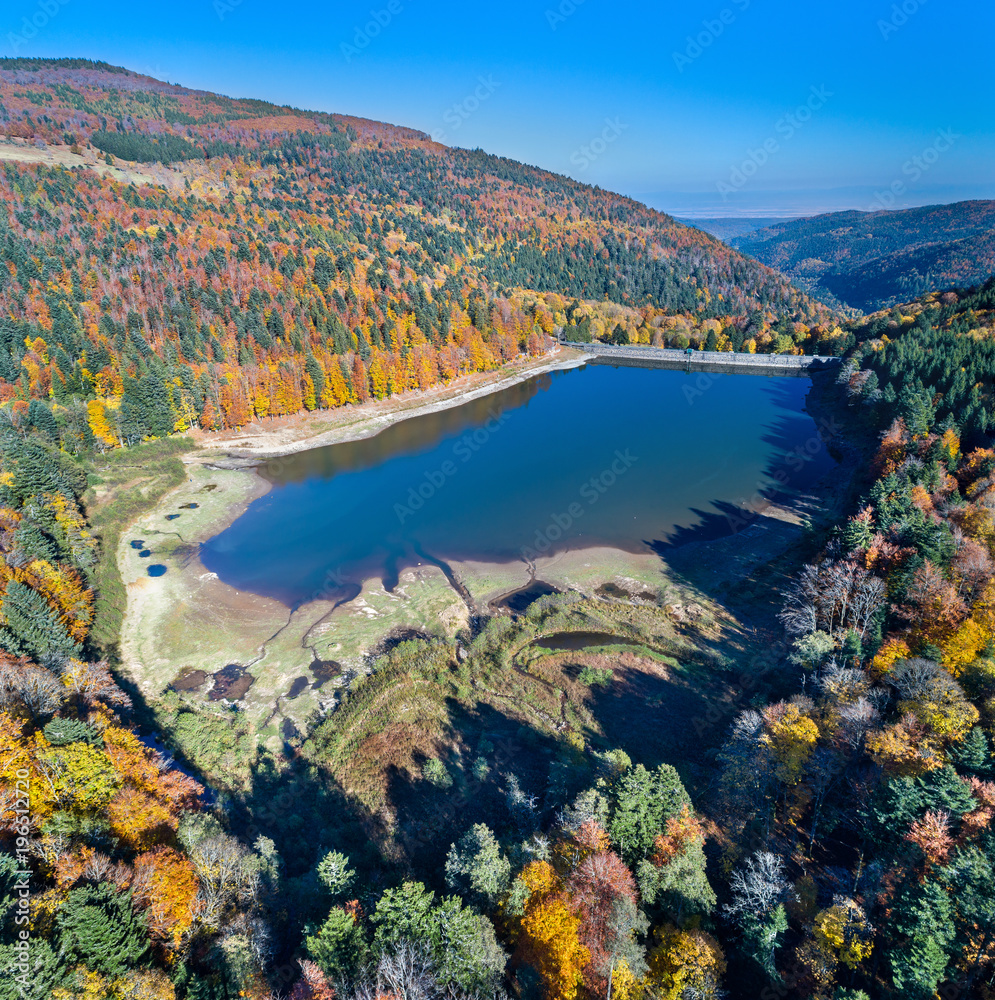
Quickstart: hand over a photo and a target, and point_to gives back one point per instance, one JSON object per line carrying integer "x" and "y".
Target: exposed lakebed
{"x": 631, "y": 458}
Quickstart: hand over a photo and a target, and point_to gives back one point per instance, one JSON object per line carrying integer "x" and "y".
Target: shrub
{"x": 596, "y": 678}
{"x": 437, "y": 773}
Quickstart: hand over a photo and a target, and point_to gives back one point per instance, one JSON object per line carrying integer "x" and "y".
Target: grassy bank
{"x": 502, "y": 692}
{"x": 124, "y": 485}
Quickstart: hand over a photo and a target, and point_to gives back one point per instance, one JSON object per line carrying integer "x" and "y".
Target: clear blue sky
{"x": 669, "y": 122}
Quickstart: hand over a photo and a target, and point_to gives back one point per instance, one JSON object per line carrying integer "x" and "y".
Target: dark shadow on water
{"x": 582, "y": 640}
{"x": 518, "y": 601}
{"x": 231, "y": 682}
{"x": 189, "y": 680}
{"x": 324, "y": 671}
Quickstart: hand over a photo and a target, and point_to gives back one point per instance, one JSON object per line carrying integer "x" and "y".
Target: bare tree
{"x": 868, "y": 598}
{"x": 856, "y": 720}
{"x": 972, "y": 567}
{"x": 22, "y": 684}
{"x": 800, "y": 613}
{"x": 406, "y": 973}
{"x": 748, "y": 771}
{"x": 835, "y": 596}
{"x": 228, "y": 878}
{"x": 92, "y": 684}
{"x": 758, "y": 885}
{"x": 924, "y": 680}
{"x": 841, "y": 685}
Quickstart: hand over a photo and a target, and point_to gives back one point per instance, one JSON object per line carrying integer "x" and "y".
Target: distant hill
{"x": 726, "y": 227}
{"x": 874, "y": 260}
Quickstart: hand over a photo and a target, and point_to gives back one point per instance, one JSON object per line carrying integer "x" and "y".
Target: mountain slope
{"x": 873, "y": 260}
{"x": 192, "y": 259}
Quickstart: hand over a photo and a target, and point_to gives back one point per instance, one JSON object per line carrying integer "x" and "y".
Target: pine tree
{"x": 32, "y": 627}
{"x": 339, "y": 946}
{"x": 477, "y": 869}
{"x": 97, "y": 926}
{"x": 46, "y": 969}
{"x": 644, "y": 801}
{"x": 973, "y": 753}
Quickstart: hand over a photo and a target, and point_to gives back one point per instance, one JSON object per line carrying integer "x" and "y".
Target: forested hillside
{"x": 873, "y": 260}
{"x": 296, "y": 260}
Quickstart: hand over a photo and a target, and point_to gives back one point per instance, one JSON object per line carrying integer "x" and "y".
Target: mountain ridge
{"x": 873, "y": 260}
{"x": 295, "y": 260}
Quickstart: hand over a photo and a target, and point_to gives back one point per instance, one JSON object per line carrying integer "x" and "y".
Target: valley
{"x": 429, "y": 576}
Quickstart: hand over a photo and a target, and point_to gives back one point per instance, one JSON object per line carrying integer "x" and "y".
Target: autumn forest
{"x": 174, "y": 265}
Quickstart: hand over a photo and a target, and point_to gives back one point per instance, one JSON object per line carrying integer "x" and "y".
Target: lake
{"x": 635, "y": 458}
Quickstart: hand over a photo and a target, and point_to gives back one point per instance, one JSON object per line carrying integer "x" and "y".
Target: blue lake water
{"x": 634, "y": 458}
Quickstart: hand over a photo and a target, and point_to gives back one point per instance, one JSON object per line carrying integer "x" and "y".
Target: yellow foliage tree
{"x": 791, "y": 737}
{"x": 842, "y": 932}
{"x": 85, "y": 984}
{"x": 549, "y": 940}
{"x": 624, "y": 985}
{"x": 139, "y": 819}
{"x": 685, "y": 963}
{"x": 81, "y": 777}
{"x": 96, "y": 417}
{"x": 166, "y": 885}
{"x": 891, "y": 651}
{"x": 904, "y": 748}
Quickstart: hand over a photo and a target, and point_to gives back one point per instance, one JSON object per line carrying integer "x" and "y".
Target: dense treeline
{"x": 871, "y": 791}
{"x": 143, "y": 149}
{"x": 108, "y": 836}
